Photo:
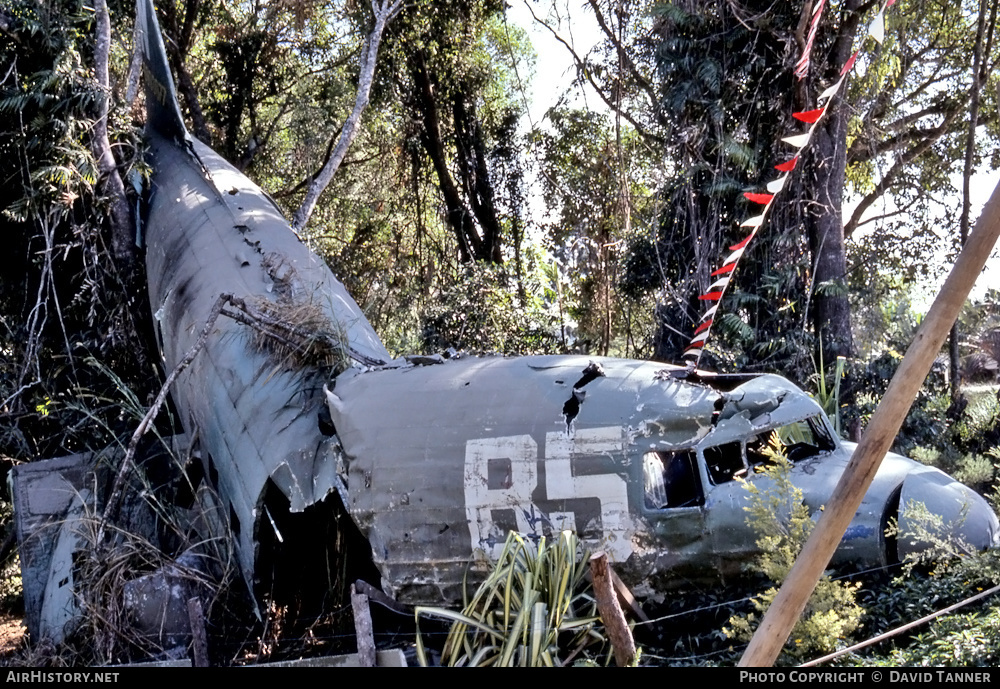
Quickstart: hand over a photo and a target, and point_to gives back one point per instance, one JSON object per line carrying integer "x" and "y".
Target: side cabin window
{"x": 671, "y": 480}
{"x": 725, "y": 462}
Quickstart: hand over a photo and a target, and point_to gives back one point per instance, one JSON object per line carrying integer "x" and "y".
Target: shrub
{"x": 533, "y": 609}
{"x": 782, "y": 522}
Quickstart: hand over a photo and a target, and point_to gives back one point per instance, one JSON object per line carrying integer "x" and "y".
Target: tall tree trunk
{"x": 459, "y": 217}
{"x": 831, "y": 314}
{"x": 476, "y": 177}
{"x": 122, "y": 226}
{"x": 978, "y": 78}
{"x": 831, "y": 307}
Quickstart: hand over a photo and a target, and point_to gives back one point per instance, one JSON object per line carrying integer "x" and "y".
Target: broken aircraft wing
{"x": 210, "y": 231}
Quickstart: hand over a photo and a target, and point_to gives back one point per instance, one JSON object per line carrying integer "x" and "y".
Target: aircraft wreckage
{"x": 435, "y": 459}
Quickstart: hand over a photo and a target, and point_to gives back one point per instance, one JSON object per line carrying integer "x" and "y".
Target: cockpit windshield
{"x": 796, "y": 441}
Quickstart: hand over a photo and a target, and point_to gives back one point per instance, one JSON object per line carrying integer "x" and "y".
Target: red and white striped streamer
{"x": 802, "y": 66}
{"x": 798, "y": 142}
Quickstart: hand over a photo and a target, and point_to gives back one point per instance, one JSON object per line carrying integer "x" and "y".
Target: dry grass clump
{"x": 125, "y": 572}
{"x": 108, "y": 629}
{"x": 293, "y": 334}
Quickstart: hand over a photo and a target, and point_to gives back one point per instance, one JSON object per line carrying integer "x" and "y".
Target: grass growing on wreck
{"x": 294, "y": 334}
{"x": 534, "y": 609}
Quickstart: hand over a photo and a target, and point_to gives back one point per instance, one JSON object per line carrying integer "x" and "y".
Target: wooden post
{"x": 363, "y": 628}
{"x": 611, "y": 612}
{"x": 199, "y": 643}
{"x": 837, "y": 514}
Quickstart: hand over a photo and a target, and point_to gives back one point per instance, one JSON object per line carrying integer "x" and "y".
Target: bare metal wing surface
{"x": 209, "y": 231}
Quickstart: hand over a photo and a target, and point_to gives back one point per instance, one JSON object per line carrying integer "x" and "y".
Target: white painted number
{"x": 512, "y": 462}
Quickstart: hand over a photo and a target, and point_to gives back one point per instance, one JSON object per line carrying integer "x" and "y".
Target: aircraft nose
{"x": 953, "y": 512}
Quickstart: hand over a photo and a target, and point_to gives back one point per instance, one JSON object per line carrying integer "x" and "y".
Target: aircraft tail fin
{"x": 163, "y": 114}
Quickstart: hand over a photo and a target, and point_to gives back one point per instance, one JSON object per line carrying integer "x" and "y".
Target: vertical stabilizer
{"x": 163, "y": 115}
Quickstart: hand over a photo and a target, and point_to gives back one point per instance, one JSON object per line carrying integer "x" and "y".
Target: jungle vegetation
{"x": 457, "y": 221}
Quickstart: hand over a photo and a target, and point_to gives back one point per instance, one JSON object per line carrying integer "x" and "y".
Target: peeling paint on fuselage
{"x": 530, "y": 472}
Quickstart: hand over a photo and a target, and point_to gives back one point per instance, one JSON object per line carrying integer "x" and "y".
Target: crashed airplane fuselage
{"x": 434, "y": 463}
{"x": 639, "y": 459}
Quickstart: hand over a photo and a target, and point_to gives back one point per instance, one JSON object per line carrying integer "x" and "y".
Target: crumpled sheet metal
{"x": 211, "y": 231}
{"x": 411, "y": 435}
{"x": 443, "y": 459}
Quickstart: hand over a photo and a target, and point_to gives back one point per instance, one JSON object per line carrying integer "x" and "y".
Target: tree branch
{"x": 111, "y": 507}
{"x": 863, "y": 150}
{"x": 384, "y": 12}
{"x": 889, "y": 177}
{"x": 122, "y": 232}
{"x": 584, "y": 70}
{"x": 627, "y": 62}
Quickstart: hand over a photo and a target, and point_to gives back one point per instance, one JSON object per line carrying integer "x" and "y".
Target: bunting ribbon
{"x": 798, "y": 142}
{"x": 802, "y": 66}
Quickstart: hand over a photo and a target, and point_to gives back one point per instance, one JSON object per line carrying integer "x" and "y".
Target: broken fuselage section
{"x": 440, "y": 462}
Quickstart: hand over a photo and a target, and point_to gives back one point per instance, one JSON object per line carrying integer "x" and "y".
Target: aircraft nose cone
{"x": 953, "y": 512}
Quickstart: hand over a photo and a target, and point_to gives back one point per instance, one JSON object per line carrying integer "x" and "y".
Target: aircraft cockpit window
{"x": 799, "y": 440}
{"x": 671, "y": 480}
{"x": 725, "y": 462}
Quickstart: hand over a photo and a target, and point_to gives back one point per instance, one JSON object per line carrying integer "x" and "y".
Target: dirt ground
{"x": 12, "y": 634}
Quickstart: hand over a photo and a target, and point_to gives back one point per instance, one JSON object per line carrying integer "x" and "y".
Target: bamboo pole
{"x": 805, "y": 573}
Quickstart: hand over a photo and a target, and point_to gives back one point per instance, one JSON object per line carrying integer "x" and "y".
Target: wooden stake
{"x": 815, "y": 556}
{"x": 199, "y": 642}
{"x": 363, "y": 628}
{"x": 611, "y": 612}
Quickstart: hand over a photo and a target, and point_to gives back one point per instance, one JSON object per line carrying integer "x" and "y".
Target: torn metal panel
{"x": 257, "y": 416}
{"x": 56, "y": 503}
{"x": 43, "y": 493}
{"x": 463, "y": 447}
{"x": 640, "y": 464}
{"x": 210, "y": 231}
{"x": 157, "y": 602}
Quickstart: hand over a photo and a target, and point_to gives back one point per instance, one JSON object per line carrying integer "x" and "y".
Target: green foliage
{"x": 937, "y": 541}
{"x": 595, "y": 183}
{"x": 968, "y": 638}
{"x": 478, "y": 313}
{"x": 926, "y": 424}
{"x": 829, "y": 398}
{"x": 532, "y": 610}
{"x": 975, "y": 471}
{"x": 62, "y": 298}
{"x": 782, "y": 522}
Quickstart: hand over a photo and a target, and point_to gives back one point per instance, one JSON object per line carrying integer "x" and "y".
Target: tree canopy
{"x": 641, "y": 196}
